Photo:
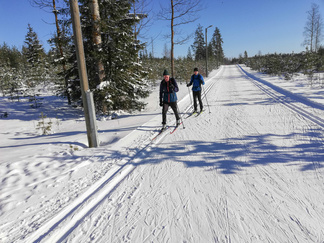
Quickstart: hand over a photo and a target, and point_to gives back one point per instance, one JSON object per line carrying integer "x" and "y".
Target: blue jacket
{"x": 168, "y": 91}
{"x": 196, "y": 82}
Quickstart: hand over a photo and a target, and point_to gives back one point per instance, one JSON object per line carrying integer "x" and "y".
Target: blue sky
{"x": 267, "y": 26}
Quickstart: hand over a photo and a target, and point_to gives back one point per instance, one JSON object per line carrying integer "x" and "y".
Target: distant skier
{"x": 168, "y": 97}
{"x": 196, "y": 81}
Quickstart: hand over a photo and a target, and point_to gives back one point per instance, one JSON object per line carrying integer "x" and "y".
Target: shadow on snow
{"x": 233, "y": 155}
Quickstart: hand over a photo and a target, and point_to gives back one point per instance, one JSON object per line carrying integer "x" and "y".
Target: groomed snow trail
{"x": 250, "y": 170}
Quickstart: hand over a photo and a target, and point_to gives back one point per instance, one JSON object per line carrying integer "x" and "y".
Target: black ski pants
{"x": 197, "y": 95}
{"x": 165, "y": 108}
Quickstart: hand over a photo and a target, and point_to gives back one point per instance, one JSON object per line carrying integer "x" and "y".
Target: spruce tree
{"x": 217, "y": 47}
{"x": 11, "y": 67}
{"x": 126, "y": 78}
{"x": 199, "y": 44}
{"x": 124, "y": 82}
{"x": 35, "y": 56}
{"x": 246, "y": 58}
{"x": 189, "y": 55}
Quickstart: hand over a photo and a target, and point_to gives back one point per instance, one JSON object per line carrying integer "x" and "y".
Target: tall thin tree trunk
{"x": 312, "y": 35}
{"x": 96, "y": 35}
{"x": 152, "y": 47}
{"x": 135, "y": 32}
{"x": 172, "y": 41}
{"x": 59, "y": 43}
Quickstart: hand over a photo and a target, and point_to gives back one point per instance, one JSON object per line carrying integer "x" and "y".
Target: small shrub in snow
{"x": 43, "y": 126}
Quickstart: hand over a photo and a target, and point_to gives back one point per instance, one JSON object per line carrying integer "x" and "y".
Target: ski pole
{"x": 206, "y": 98}
{"x": 190, "y": 97}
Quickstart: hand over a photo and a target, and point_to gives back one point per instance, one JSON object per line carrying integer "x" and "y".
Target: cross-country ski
{"x": 190, "y": 114}
{"x": 175, "y": 128}
{"x": 163, "y": 129}
{"x": 199, "y": 113}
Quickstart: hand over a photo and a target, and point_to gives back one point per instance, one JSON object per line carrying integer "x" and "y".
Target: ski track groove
{"x": 145, "y": 147}
{"x": 179, "y": 200}
{"x": 286, "y": 101}
{"x": 305, "y": 114}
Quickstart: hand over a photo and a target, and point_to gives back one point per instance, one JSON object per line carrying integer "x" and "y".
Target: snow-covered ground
{"x": 249, "y": 169}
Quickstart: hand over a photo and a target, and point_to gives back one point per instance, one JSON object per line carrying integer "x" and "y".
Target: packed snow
{"x": 248, "y": 169}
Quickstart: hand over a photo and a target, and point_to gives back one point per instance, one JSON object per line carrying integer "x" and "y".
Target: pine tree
{"x": 199, "y": 44}
{"x": 189, "y": 55}
{"x": 125, "y": 80}
{"x": 62, "y": 58}
{"x": 217, "y": 47}
{"x": 246, "y": 58}
{"x": 310, "y": 61}
{"x": 34, "y": 51}
{"x": 35, "y": 56}
{"x": 57, "y": 56}
{"x": 11, "y": 66}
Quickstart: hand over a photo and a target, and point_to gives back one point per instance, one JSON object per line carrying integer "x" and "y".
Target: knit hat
{"x": 166, "y": 72}
{"x": 195, "y": 69}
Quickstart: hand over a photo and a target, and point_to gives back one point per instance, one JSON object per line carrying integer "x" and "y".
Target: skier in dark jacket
{"x": 168, "y": 96}
{"x": 196, "y": 81}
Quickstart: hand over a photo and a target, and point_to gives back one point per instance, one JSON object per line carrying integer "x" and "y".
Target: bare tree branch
{"x": 179, "y": 13}
{"x": 313, "y": 29}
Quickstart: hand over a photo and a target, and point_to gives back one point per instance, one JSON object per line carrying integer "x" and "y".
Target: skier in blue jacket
{"x": 196, "y": 81}
{"x": 168, "y": 97}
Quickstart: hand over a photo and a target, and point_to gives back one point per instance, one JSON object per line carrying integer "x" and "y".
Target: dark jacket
{"x": 168, "y": 91}
{"x": 196, "y": 82}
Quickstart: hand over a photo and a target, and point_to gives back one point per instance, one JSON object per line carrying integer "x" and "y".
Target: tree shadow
{"x": 232, "y": 155}
{"x": 53, "y": 107}
{"x": 227, "y": 156}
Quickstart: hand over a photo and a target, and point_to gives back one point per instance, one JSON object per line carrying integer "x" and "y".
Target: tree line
{"x": 287, "y": 65}
{"x": 196, "y": 57}
{"x": 309, "y": 62}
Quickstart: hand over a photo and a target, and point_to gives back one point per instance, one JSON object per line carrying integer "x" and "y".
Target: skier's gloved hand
{"x": 188, "y": 84}
{"x": 161, "y": 103}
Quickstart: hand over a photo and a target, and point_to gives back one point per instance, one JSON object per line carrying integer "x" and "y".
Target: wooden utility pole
{"x": 207, "y": 50}
{"x": 87, "y": 97}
